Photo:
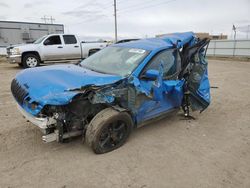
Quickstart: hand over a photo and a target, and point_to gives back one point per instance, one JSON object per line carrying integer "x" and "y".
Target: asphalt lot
{"x": 211, "y": 151}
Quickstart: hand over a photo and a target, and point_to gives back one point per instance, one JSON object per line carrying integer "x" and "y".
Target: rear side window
{"x": 53, "y": 40}
{"x": 69, "y": 39}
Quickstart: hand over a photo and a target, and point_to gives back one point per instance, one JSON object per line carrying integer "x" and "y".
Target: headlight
{"x": 15, "y": 51}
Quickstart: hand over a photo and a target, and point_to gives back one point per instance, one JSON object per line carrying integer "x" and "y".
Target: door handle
{"x": 59, "y": 47}
{"x": 76, "y": 46}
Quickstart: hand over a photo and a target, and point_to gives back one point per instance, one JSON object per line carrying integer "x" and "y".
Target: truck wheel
{"x": 108, "y": 130}
{"x": 30, "y": 61}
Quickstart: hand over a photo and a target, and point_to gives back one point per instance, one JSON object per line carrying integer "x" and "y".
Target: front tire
{"x": 30, "y": 61}
{"x": 108, "y": 130}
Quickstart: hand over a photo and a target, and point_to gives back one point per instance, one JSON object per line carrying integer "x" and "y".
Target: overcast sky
{"x": 136, "y": 18}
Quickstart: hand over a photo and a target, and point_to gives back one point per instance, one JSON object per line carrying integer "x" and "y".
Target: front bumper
{"x": 14, "y": 59}
{"x": 42, "y": 123}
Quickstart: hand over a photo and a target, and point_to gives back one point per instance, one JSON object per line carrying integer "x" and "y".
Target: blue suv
{"x": 119, "y": 88}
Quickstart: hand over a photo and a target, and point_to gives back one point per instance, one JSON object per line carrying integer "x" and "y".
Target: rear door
{"x": 72, "y": 48}
{"x": 194, "y": 71}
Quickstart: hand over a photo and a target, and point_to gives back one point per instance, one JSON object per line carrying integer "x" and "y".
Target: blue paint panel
{"x": 51, "y": 84}
{"x": 166, "y": 41}
{"x": 204, "y": 89}
{"x": 166, "y": 95}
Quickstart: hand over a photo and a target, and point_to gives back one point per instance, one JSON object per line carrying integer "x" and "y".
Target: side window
{"x": 169, "y": 61}
{"x": 53, "y": 40}
{"x": 69, "y": 39}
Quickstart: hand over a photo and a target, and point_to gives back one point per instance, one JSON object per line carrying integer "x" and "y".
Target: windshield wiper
{"x": 99, "y": 71}
{"x": 94, "y": 70}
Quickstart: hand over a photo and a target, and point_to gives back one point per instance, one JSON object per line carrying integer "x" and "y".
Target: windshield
{"x": 115, "y": 60}
{"x": 39, "y": 40}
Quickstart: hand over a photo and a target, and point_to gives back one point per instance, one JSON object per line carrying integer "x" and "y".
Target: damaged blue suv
{"x": 119, "y": 88}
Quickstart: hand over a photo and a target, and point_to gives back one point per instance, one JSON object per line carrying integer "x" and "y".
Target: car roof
{"x": 166, "y": 41}
{"x": 126, "y": 40}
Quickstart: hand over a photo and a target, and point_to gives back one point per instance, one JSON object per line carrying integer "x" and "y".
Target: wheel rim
{"x": 31, "y": 62}
{"x": 113, "y": 135}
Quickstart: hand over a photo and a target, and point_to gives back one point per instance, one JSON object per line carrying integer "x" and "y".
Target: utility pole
{"x": 49, "y": 19}
{"x": 44, "y": 19}
{"x": 234, "y": 29}
{"x": 52, "y": 19}
{"x": 115, "y": 20}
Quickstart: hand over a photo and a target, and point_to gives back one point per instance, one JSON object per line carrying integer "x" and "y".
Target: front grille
{"x": 18, "y": 91}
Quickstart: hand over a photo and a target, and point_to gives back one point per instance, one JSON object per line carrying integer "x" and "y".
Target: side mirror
{"x": 151, "y": 74}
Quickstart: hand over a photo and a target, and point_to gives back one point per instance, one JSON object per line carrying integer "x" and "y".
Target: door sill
{"x": 161, "y": 116}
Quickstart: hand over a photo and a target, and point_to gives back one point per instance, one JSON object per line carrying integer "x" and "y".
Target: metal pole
{"x": 44, "y": 19}
{"x": 234, "y": 47}
{"x": 248, "y": 29}
{"x": 51, "y": 19}
{"x": 115, "y": 20}
{"x": 214, "y": 47}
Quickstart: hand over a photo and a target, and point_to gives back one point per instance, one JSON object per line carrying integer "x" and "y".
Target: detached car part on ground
{"x": 119, "y": 88}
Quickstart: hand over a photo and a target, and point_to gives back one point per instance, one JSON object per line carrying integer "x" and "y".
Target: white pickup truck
{"x": 52, "y": 48}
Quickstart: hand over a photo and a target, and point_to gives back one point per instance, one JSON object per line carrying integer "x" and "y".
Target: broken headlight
{"x": 33, "y": 105}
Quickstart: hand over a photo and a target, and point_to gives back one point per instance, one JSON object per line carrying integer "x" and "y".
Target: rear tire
{"x": 30, "y": 61}
{"x": 108, "y": 130}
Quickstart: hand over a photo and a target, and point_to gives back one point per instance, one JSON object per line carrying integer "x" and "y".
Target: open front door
{"x": 194, "y": 71}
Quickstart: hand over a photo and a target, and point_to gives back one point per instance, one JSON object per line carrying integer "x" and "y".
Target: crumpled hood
{"x": 52, "y": 84}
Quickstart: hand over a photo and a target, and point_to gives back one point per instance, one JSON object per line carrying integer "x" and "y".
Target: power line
{"x": 138, "y": 8}
{"x": 125, "y": 1}
{"x": 145, "y": 2}
{"x": 88, "y": 3}
{"x": 106, "y": 5}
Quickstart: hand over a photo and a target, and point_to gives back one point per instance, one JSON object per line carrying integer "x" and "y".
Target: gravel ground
{"x": 211, "y": 151}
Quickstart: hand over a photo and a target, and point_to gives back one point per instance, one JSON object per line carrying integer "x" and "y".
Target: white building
{"x": 12, "y": 32}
